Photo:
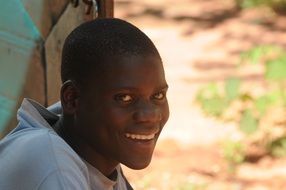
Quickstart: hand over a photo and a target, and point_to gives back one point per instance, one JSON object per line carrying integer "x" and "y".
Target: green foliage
{"x": 211, "y": 101}
{"x": 214, "y": 106}
{"x": 248, "y": 123}
{"x": 234, "y": 153}
{"x": 264, "y": 102}
{"x": 278, "y": 147}
{"x": 232, "y": 88}
{"x": 257, "y": 54}
{"x": 279, "y": 6}
{"x": 251, "y": 3}
{"x": 276, "y": 69}
{"x": 253, "y": 108}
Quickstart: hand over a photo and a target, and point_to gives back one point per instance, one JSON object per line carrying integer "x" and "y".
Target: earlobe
{"x": 69, "y": 97}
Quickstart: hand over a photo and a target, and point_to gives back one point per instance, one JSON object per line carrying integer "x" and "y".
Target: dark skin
{"x": 118, "y": 116}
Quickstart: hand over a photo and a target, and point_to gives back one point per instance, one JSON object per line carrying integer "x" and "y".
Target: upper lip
{"x": 143, "y": 130}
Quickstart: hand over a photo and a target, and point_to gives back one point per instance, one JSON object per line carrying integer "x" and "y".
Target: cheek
{"x": 165, "y": 113}
{"x": 118, "y": 117}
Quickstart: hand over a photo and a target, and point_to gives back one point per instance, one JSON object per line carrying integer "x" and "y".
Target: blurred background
{"x": 225, "y": 63}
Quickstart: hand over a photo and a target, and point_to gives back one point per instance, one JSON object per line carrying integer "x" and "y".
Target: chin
{"x": 137, "y": 165}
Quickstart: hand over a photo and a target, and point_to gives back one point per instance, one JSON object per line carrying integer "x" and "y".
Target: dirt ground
{"x": 200, "y": 41}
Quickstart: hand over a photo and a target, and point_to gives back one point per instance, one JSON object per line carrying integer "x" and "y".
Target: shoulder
{"x": 46, "y": 147}
{"x": 43, "y": 154}
{"x": 33, "y": 144}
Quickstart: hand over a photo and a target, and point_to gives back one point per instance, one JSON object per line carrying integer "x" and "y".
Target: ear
{"x": 69, "y": 97}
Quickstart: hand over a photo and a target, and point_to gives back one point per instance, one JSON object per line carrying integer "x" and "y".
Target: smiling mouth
{"x": 140, "y": 137}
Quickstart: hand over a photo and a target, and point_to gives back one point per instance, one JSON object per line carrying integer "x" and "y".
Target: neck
{"x": 65, "y": 128}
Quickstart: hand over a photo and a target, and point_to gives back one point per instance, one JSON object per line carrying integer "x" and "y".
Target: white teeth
{"x": 140, "y": 137}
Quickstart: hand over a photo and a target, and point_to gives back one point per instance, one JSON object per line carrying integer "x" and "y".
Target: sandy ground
{"x": 200, "y": 41}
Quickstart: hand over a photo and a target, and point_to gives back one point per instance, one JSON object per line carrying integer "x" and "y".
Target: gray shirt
{"x": 34, "y": 157}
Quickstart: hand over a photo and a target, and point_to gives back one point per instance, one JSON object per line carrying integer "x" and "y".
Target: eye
{"x": 124, "y": 98}
{"x": 159, "y": 96}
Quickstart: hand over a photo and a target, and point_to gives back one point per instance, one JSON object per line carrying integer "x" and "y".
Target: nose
{"x": 147, "y": 113}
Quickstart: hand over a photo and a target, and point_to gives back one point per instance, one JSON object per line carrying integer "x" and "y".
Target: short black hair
{"x": 89, "y": 45}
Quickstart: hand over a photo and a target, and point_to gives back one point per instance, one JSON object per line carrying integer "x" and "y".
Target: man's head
{"x": 92, "y": 45}
{"x": 114, "y": 91}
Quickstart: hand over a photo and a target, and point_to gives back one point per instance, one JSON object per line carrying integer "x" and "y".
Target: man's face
{"x": 124, "y": 110}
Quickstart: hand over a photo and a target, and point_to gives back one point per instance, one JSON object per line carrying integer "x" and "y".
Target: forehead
{"x": 132, "y": 72}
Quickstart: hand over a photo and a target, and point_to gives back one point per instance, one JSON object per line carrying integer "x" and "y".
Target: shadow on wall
{"x": 29, "y": 60}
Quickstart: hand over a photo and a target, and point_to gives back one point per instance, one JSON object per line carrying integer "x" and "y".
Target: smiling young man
{"x": 113, "y": 108}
